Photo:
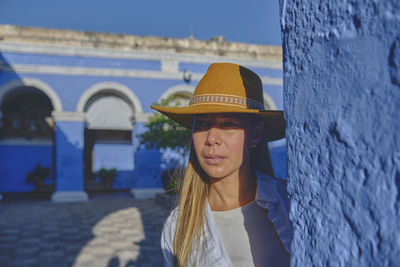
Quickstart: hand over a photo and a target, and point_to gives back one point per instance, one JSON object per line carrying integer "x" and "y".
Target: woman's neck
{"x": 233, "y": 191}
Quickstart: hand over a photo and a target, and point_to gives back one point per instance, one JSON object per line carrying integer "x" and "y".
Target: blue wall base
{"x": 147, "y": 193}
{"x": 147, "y": 169}
{"x": 69, "y": 196}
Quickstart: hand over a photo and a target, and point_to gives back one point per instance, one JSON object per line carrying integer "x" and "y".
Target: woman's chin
{"x": 217, "y": 175}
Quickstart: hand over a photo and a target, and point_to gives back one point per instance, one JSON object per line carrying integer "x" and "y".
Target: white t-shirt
{"x": 271, "y": 196}
{"x": 249, "y": 237}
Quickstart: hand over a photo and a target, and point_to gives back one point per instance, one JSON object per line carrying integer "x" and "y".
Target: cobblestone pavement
{"x": 111, "y": 232}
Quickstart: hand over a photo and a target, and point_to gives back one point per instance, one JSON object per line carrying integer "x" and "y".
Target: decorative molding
{"x": 182, "y": 88}
{"x": 169, "y": 65}
{"x": 106, "y": 72}
{"x": 38, "y": 84}
{"x": 138, "y": 54}
{"x": 69, "y": 196}
{"x": 147, "y": 193}
{"x": 111, "y": 87}
{"x": 271, "y": 81}
{"x": 68, "y": 116}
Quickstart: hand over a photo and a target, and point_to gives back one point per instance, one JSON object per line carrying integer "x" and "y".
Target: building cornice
{"x": 132, "y": 55}
{"x": 216, "y": 46}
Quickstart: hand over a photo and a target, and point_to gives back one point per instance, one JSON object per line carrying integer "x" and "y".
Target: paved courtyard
{"x": 107, "y": 231}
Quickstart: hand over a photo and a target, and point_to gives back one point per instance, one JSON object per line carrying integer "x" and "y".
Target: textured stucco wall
{"x": 342, "y": 105}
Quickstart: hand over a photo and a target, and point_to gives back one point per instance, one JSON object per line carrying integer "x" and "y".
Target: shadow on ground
{"x": 108, "y": 230}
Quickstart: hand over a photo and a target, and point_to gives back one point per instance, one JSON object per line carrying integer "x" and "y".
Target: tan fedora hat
{"x": 228, "y": 88}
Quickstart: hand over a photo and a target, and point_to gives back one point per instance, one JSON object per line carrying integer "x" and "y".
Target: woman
{"x": 231, "y": 212}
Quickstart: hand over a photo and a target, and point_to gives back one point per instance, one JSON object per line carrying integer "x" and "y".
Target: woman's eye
{"x": 199, "y": 124}
{"x": 231, "y": 124}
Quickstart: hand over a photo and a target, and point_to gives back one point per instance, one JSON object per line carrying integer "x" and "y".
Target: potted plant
{"x": 107, "y": 176}
{"x": 38, "y": 176}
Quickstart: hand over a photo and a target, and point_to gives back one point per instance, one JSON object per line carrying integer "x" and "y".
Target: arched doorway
{"x": 26, "y": 139}
{"x": 110, "y": 116}
{"x": 180, "y": 94}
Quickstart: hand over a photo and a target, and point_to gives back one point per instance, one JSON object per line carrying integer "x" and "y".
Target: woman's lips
{"x": 213, "y": 159}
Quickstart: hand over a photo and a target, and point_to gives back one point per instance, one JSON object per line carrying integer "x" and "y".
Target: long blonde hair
{"x": 193, "y": 194}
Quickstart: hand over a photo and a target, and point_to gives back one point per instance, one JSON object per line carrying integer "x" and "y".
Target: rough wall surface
{"x": 342, "y": 105}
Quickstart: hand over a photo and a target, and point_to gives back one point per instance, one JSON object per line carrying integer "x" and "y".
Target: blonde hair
{"x": 191, "y": 204}
{"x": 190, "y": 221}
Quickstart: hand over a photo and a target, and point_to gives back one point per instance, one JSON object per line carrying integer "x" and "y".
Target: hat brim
{"x": 274, "y": 119}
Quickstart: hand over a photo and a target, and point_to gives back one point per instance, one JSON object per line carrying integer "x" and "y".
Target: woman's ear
{"x": 257, "y": 134}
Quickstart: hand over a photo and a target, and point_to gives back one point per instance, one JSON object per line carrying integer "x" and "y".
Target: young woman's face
{"x": 222, "y": 143}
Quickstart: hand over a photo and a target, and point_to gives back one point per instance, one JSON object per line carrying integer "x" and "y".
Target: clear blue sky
{"x": 252, "y": 21}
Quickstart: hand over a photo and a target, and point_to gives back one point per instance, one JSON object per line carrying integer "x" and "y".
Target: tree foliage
{"x": 162, "y": 132}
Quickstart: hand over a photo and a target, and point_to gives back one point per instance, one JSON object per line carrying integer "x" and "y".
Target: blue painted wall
{"x": 342, "y": 103}
{"x": 193, "y": 67}
{"x": 275, "y": 92}
{"x": 56, "y": 60}
{"x": 69, "y": 143}
{"x": 278, "y": 160}
{"x": 18, "y": 160}
{"x": 147, "y": 173}
{"x": 148, "y": 168}
{"x": 118, "y": 156}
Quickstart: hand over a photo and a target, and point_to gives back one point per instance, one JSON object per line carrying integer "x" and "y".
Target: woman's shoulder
{"x": 167, "y": 237}
{"x": 271, "y": 188}
{"x": 170, "y": 222}
{"x": 272, "y": 195}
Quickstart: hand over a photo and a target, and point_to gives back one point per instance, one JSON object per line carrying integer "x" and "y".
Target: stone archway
{"x": 27, "y": 136}
{"x": 38, "y": 84}
{"x": 269, "y": 103}
{"x": 182, "y": 92}
{"x": 110, "y": 112}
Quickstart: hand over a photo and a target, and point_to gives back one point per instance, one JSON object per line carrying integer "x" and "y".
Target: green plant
{"x": 172, "y": 180}
{"x": 107, "y": 176}
{"x": 37, "y": 176}
{"x": 172, "y": 188}
{"x": 165, "y": 133}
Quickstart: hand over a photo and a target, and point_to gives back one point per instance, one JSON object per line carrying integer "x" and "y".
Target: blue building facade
{"x": 78, "y": 108}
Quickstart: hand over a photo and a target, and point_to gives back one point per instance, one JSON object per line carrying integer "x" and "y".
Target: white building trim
{"x": 68, "y": 116}
{"x": 146, "y": 193}
{"x": 182, "y": 89}
{"x": 69, "y": 196}
{"x": 269, "y": 103}
{"x": 106, "y": 72}
{"x": 42, "y": 86}
{"x": 111, "y": 87}
{"x": 138, "y": 54}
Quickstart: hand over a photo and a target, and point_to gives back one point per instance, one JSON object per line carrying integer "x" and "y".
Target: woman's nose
{"x": 213, "y": 137}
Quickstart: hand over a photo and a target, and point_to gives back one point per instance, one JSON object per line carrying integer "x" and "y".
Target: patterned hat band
{"x": 231, "y": 100}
